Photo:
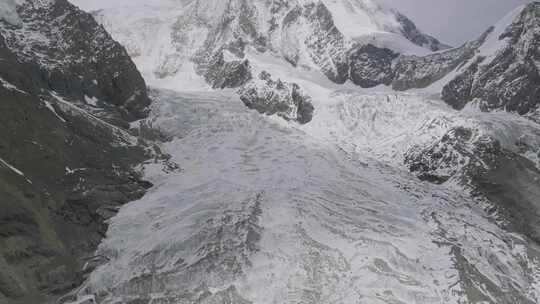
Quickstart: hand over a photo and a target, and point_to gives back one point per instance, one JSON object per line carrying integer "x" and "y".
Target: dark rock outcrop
{"x": 221, "y": 74}
{"x": 509, "y": 181}
{"x": 371, "y": 66}
{"x": 64, "y": 170}
{"x": 78, "y": 59}
{"x": 511, "y": 79}
{"x": 326, "y": 45}
{"x": 270, "y": 97}
{"x": 415, "y": 72}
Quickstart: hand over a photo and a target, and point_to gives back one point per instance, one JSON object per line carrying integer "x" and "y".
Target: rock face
{"x": 457, "y": 153}
{"x": 78, "y": 59}
{"x": 416, "y": 72}
{"x": 270, "y": 97}
{"x": 221, "y": 74}
{"x": 412, "y": 33}
{"x": 64, "y": 168}
{"x": 507, "y": 78}
{"x": 492, "y": 172}
{"x": 500, "y": 69}
{"x": 371, "y": 66}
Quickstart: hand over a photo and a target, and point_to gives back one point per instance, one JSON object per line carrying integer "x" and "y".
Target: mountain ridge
{"x": 318, "y": 162}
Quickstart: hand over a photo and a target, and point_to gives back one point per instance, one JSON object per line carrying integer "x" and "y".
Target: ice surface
{"x": 8, "y": 12}
{"x": 289, "y": 214}
{"x": 268, "y": 211}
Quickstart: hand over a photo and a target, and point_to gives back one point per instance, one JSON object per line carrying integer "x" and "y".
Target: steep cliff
{"x": 68, "y": 92}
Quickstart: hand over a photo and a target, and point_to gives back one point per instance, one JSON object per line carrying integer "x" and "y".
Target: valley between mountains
{"x": 216, "y": 152}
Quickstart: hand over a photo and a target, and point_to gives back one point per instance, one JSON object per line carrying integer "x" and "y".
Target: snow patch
{"x": 93, "y": 101}
{"x": 19, "y": 172}
{"x": 8, "y": 12}
{"x": 11, "y": 87}
{"x": 50, "y": 107}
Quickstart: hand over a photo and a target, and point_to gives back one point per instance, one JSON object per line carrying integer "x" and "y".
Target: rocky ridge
{"x": 68, "y": 92}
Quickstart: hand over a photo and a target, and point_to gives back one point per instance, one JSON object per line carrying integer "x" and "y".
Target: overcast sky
{"x": 454, "y": 21}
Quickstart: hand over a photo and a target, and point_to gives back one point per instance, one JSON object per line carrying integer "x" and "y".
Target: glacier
{"x": 265, "y": 210}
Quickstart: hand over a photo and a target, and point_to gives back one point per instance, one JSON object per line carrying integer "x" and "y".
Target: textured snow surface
{"x": 268, "y": 211}
{"x": 285, "y": 215}
{"x": 8, "y": 12}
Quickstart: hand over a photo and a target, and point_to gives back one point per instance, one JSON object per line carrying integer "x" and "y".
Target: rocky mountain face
{"x": 68, "y": 92}
{"x": 507, "y": 76}
{"x": 498, "y": 73}
{"x": 270, "y": 97}
{"x": 78, "y": 59}
{"x": 492, "y": 171}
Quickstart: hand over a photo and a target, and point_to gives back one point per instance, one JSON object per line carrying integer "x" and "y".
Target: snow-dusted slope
{"x": 169, "y": 39}
{"x": 505, "y": 72}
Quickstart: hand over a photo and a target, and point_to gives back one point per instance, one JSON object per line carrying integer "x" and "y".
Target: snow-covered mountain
{"x": 317, "y": 151}
{"x": 223, "y": 41}
{"x": 238, "y": 44}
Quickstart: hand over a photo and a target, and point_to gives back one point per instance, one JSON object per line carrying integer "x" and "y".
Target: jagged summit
{"x": 505, "y": 73}
{"x": 194, "y": 44}
{"x": 228, "y": 44}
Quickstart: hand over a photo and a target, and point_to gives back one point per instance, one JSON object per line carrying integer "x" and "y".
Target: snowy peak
{"x": 227, "y": 44}
{"x": 504, "y": 74}
{"x": 191, "y": 30}
{"x": 357, "y": 18}
{"x": 195, "y": 44}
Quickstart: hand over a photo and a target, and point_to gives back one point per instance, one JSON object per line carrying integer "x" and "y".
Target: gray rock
{"x": 270, "y": 97}
{"x": 415, "y": 72}
{"x": 510, "y": 182}
{"x": 73, "y": 169}
{"x": 511, "y": 80}
{"x": 76, "y": 57}
{"x": 221, "y": 74}
{"x": 371, "y": 66}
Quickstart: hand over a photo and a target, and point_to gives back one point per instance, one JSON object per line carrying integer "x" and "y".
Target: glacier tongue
{"x": 267, "y": 212}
